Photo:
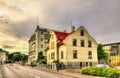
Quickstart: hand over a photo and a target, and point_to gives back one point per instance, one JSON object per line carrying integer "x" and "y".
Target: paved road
{"x": 16, "y": 71}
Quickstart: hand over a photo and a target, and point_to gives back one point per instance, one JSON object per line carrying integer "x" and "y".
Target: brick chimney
{"x": 72, "y": 28}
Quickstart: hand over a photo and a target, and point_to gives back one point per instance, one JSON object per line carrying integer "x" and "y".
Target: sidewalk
{"x": 64, "y": 72}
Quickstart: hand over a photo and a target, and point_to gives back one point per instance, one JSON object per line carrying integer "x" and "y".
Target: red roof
{"x": 61, "y": 36}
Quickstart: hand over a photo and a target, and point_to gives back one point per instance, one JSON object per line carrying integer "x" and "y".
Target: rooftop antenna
{"x": 71, "y": 23}
{"x": 38, "y": 18}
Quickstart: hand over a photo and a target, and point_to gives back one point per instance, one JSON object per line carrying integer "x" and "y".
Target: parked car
{"x": 102, "y": 65}
{"x": 117, "y": 67}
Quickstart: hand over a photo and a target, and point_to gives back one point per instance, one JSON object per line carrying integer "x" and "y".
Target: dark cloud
{"x": 10, "y": 7}
{"x": 100, "y": 17}
{"x": 2, "y": 50}
{"x": 5, "y": 19}
{"x": 8, "y": 47}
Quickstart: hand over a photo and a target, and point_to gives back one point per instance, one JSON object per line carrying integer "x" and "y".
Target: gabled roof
{"x": 61, "y": 36}
{"x": 111, "y": 44}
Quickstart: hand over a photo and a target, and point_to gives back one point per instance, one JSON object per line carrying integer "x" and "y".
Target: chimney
{"x": 72, "y": 28}
{"x": 64, "y": 31}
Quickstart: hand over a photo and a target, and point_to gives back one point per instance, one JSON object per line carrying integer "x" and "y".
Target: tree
{"x": 17, "y": 57}
{"x": 24, "y": 58}
{"x": 101, "y": 53}
{"x": 41, "y": 59}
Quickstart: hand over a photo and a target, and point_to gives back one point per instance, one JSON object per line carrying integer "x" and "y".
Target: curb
{"x": 61, "y": 73}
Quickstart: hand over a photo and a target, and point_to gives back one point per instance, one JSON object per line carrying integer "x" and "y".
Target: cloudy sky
{"x": 19, "y": 18}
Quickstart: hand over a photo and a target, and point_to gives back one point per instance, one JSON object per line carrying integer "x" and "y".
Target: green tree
{"x": 41, "y": 59}
{"x": 101, "y": 53}
{"x": 24, "y": 58}
{"x": 17, "y": 56}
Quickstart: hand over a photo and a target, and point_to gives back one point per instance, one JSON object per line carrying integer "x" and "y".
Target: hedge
{"x": 103, "y": 72}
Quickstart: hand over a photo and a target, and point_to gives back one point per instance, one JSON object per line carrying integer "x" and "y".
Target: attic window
{"x": 82, "y": 32}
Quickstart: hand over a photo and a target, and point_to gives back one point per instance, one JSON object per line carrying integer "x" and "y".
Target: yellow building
{"x": 113, "y": 51}
{"x": 37, "y": 43}
{"x": 77, "y": 48}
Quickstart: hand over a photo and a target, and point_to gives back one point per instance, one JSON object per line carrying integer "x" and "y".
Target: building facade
{"x": 113, "y": 51}
{"x": 37, "y": 43}
{"x": 77, "y": 48}
{"x": 3, "y": 56}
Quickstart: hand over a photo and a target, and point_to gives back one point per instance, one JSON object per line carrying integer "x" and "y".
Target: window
{"x": 41, "y": 39}
{"x": 86, "y": 63}
{"x": 80, "y": 64}
{"x": 82, "y": 43}
{"x": 62, "y": 55}
{"x": 89, "y": 54}
{"x": 52, "y": 55}
{"x": 74, "y": 42}
{"x": 74, "y": 54}
{"x": 90, "y": 64}
{"x": 41, "y": 46}
{"x": 89, "y": 43}
{"x": 82, "y": 32}
{"x": 46, "y": 40}
{"x": 41, "y": 32}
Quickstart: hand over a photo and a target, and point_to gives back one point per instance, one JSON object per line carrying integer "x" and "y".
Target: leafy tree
{"x": 41, "y": 59}
{"x": 101, "y": 53}
{"x": 24, "y": 58}
{"x": 17, "y": 56}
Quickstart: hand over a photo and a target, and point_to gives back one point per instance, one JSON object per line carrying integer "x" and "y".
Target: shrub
{"x": 9, "y": 61}
{"x": 103, "y": 72}
{"x": 114, "y": 74}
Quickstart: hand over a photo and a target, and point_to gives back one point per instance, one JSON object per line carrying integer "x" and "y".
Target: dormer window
{"x": 82, "y": 32}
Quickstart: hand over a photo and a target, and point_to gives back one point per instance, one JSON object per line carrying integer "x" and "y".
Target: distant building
{"x": 3, "y": 56}
{"x": 37, "y": 43}
{"x": 77, "y": 48}
{"x": 113, "y": 51}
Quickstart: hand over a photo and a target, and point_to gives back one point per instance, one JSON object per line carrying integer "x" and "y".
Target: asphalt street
{"x": 17, "y": 71}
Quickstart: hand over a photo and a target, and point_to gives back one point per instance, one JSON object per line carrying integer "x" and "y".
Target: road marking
{"x": 31, "y": 74}
{"x": 37, "y": 76}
